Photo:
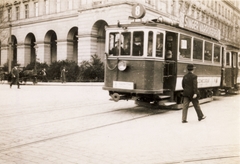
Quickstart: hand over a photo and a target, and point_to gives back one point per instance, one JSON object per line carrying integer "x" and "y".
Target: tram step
{"x": 169, "y": 103}
{"x": 164, "y": 96}
{"x": 166, "y": 103}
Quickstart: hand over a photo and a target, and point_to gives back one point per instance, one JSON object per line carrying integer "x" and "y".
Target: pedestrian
{"x": 44, "y": 75}
{"x": 63, "y": 75}
{"x": 15, "y": 76}
{"x": 190, "y": 94}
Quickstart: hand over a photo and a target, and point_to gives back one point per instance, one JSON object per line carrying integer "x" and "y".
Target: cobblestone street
{"x": 77, "y": 124}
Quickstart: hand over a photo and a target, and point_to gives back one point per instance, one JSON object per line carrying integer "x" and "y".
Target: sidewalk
{"x": 61, "y": 84}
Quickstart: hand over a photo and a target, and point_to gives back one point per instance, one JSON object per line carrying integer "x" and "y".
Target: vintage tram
{"x": 146, "y": 61}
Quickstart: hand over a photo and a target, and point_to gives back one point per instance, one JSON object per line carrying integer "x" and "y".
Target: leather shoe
{"x": 184, "y": 121}
{"x": 203, "y": 117}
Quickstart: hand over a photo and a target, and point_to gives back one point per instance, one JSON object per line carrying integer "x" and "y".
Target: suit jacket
{"x": 189, "y": 84}
{"x": 15, "y": 73}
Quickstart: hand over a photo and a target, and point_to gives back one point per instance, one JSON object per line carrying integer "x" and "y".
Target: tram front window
{"x": 137, "y": 43}
{"x": 119, "y": 44}
{"x": 159, "y": 45}
{"x": 150, "y": 44}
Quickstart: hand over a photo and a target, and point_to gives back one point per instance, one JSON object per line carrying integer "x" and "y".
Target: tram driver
{"x": 137, "y": 47}
{"x": 117, "y": 50}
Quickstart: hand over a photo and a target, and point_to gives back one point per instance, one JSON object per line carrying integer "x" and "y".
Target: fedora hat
{"x": 190, "y": 67}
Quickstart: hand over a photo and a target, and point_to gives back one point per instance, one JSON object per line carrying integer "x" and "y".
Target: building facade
{"x": 52, "y": 30}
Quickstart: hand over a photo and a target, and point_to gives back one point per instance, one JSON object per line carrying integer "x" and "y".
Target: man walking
{"x": 190, "y": 94}
{"x": 15, "y": 76}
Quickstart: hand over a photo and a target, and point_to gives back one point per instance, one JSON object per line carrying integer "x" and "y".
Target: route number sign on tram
{"x": 138, "y": 11}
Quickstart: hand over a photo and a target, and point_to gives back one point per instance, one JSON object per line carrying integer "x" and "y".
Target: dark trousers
{"x": 14, "y": 81}
{"x": 44, "y": 78}
{"x": 196, "y": 105}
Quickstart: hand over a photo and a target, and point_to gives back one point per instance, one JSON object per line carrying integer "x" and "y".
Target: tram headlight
{"x": 122, "y": 65}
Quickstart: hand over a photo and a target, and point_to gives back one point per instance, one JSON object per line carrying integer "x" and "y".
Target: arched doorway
{"x": 30, "y": 51}
{"x": 98, "y": 34}
{"x": 72, "y": 44}
{"x": 50, "y": 52}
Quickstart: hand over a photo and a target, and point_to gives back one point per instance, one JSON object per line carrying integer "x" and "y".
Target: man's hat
{"x": 190, "y": 67}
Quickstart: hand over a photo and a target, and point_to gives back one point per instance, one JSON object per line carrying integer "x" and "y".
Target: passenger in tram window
{"x": 169, "y": 54}
{"x": 159, "y": 47}
{"x": 117, "y": 50}
{"x": 137, "y": 47}
{"x": 127, "y": 48}
{"x": 181, "y": 56}
{"x": 208, "y": 56}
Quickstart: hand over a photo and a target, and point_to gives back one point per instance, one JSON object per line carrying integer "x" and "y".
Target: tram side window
{"x": 138, "y": 43}
{"x": 185, "y": 47}
{"x": 119, "y": 44}
{"x": 150, "y": 44}
{"x": 208, "y": 51}
{"x": 159, "y": 45}
{"x": 234, "y": 59}
{"x": 228, "y": 59}
{"x": 197, "y": 49}
{"x": 217, "y": 51}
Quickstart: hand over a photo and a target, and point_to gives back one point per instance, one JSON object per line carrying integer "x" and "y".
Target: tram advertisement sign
{"x": 199, "y": 27}
{"x": 138, "y": 11}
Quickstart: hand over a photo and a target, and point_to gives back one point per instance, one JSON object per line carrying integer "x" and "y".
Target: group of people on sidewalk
{"x": 15, "y": 76}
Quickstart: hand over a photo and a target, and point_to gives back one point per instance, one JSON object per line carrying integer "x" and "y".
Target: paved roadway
{"x": 77, "y": 124}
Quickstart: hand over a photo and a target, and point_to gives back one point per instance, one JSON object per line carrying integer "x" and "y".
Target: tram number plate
{"x": 123, "y": 85}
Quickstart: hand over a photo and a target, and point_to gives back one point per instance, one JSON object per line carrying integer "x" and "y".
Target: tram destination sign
{"x": 199, "y": 27}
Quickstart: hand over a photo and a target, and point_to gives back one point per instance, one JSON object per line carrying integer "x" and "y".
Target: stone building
{"x": 52, "y": 30}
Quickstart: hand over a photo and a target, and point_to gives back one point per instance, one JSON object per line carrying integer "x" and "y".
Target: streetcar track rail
{"x": 81, "y": 131}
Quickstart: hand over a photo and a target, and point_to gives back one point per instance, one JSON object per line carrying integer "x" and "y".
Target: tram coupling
{"x": 116, "y": 97}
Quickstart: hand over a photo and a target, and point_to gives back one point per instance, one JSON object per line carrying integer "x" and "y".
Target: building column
{"x": 23, "y": 54}
{"x": 84, "y": 47}
{"x": 20, "y": 55}
{"x": 4, "y": 55}
{"x": 61, "y": 50}
{"x": 70, "y": 51}
{"x": 39, "y": 48}
{"x": 101, "y": 48}
{"x": 47, "y": 53}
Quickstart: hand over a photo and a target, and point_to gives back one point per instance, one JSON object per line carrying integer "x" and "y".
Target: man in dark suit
{"x": 190, "y": 94}
{"x": 15, "y": 76}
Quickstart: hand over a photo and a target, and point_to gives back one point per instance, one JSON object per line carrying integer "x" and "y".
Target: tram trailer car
{"x": 146, "y": 62}
{"x": 231, "y": 72}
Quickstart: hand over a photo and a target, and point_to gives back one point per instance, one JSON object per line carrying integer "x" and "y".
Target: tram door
{"x": 170, "y": 69}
